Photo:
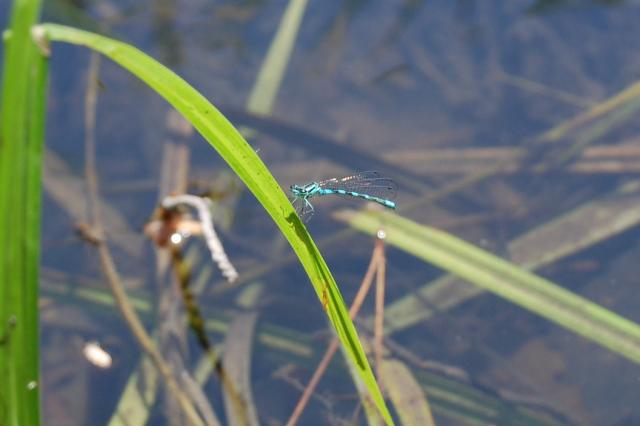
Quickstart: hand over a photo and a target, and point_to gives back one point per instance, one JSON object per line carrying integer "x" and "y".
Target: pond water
{"x": 428, "y": 94}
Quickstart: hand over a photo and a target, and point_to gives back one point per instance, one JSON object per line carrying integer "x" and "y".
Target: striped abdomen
{"x": 387, "y": 203}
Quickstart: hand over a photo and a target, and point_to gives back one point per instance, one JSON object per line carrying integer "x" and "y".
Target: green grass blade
{"x": 228, "y": 142}
{"x": 22, "y": 133}
{"x": 586, "y": 225}
{"x": 505, "y": 279}
{"x": 31, "y": 235}
{"x": 271, "y": 73}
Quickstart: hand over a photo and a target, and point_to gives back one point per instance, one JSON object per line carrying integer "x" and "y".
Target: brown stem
{"x": 106, "y": 260}
{"x": 376, "y": 257}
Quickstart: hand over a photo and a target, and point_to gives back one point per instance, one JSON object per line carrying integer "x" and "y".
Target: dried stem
{"x": 376, "y": 257}
{"x": 379, "y": 316}
{"x": 106, "y": 260}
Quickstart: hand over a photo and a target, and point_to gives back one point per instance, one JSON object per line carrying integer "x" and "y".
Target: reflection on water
{"x": 497, "y": 120}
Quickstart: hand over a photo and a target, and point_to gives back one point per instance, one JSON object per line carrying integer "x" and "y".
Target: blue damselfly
{"x": 368, "y": 186}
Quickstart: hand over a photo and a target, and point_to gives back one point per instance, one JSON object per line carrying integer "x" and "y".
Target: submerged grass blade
{"x": 405, "y": 393}
{"x": 505, "y": 279}
{"x": 139, "y": 394}
{"x": 583, "y": 227}
{"x": 228, "y": 142}
{"x": 586, "y": 225}
{"x": 609, "y": 105}
{"x": 237, "y": 363}
{"x": 273, "y": 68}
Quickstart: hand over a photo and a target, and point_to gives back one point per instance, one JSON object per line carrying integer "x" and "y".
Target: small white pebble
{"x": 381, "y": 234}
{"x": 96, "y": 355}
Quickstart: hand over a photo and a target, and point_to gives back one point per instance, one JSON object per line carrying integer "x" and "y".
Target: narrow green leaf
{"x": 586, "y": 225}
{"x": 217, "y": 130}
{"x": 273, "y": 68}
{"x": 505, "y": 279}
{"x": 21, "y": 137}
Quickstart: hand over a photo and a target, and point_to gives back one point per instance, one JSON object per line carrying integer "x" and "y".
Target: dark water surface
{"x": 391, "y": 84}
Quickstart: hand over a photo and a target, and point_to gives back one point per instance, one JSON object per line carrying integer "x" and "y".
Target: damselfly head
{"x": 296, "y": 189}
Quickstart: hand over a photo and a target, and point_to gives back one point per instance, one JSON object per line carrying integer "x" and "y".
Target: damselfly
{"x": 368, "y": 186}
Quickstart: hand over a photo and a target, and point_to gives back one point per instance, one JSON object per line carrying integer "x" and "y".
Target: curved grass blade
{"x": 586, "y": 225}
{"x": 228, "y": 142}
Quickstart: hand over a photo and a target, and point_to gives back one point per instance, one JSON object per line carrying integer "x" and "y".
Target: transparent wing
{"x": 303, "y": 208}
{"x": 370, "y": 183}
